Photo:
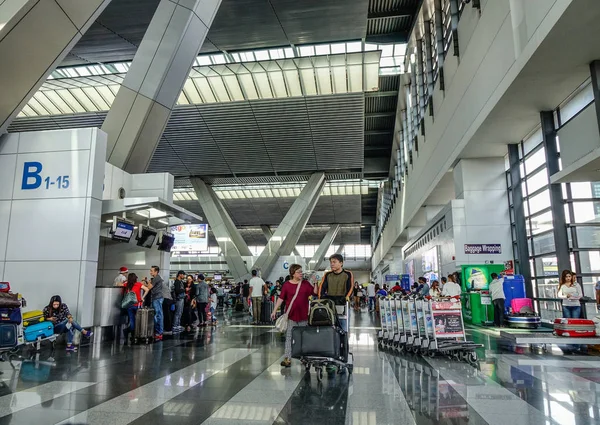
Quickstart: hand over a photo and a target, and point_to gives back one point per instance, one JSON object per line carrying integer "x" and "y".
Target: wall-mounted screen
{"x": 146, "y": 236}
{"x": 122, "y": 229}
{"x": 190, "y": 237}
{"x": 165, "y": 242}
{"x": 217, "y": 277}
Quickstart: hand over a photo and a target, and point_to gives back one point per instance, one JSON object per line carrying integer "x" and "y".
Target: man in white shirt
{"x": 498, "y": 297}
{"x": 256, "y": 293}
{"x": 121, "y": 277}
{"x": 371, "y": 295}
{"x": 451, "y": 289}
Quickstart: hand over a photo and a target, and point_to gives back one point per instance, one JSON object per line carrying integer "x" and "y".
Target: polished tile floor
{"x": 231, "y": 375}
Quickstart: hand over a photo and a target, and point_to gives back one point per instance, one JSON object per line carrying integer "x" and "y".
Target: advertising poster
{"x": 410, "y": 271}
{"x": 478, "y": 277}
{"x": 190, "y": 237}
{"x": 447, "y": 324}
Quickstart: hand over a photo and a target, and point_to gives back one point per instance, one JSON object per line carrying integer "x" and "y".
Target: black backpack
{"x": 322, "y": 313}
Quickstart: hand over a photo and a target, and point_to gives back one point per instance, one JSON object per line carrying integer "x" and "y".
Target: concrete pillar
{"x": 268, "y": 234}
{"x": 431, "y": 211}
{"x": 484, "y": 219}
{"x": 35, "y": 36}
{"x": 288, "y": 232}
{"x": 317, "y": 259}
{"x": 325, "y": 263}
{"x": 140, "y": 112}
{"x": 218, "y": 220}
{"x": 561, "y": 239}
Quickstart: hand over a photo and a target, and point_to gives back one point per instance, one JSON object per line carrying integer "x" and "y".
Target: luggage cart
{"x": 420, "y": 332}
{"x": 383, "y": 333}
{"x": 318, "y": 362}
{"x": 399, "y": 324}
{"x": 427, "y": 326}
{"x": 412, "y": 330}
{"x": 448, "y": 332}
{"x": 405, "y": 325}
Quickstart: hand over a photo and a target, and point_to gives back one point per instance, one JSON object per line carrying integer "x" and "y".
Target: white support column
{"x": 317, "y": 259}
{"x": 325, "y": 263}
{"x": 269, "y": 233}
{"x": 140, "y": 112}
{"x": 35, "y": 36}
{"x": 217, "y": 219}
{"x": 287, "y": 234}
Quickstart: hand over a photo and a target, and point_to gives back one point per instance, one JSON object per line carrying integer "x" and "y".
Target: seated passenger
{"x": 58, "y": 313}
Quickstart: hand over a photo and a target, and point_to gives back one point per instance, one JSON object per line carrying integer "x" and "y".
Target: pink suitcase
{"x": 518, "y": 303}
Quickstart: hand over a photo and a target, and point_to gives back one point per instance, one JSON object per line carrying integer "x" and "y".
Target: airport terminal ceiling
{"x": 269, "y": 138}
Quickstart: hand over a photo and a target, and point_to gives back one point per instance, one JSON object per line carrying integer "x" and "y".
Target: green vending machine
{"x": 476, "y": 300}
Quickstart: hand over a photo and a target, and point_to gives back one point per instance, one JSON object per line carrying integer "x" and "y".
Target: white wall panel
{"x": 8, "y": 165}
{"x": 56, "y": 140}
{"x": 55, "y": 165}
{"x": 9, "y": 143}
{"x": 4, "y": 222}
{"x": 48, "y": 229}
{"x": 40, "y": 280}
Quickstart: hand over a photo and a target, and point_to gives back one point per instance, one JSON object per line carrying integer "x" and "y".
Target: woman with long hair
{"x": 133, "y": 285}
{"x": 570, "y": 293}
{"x": 296, "y": 292}
{"x": 435, "y": 289}
{"x": 58, "y": 313}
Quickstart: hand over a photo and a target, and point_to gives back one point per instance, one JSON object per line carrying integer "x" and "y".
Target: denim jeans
{"x": 371, "y": 303}
{"x": 132, "y": 311}
{"x": 572, "y": 312}
{"x": 178, "y": 313}
{"x": 61, "y": 328}
{"x": 158, "y": 315}
{"x": 212, "y": 314}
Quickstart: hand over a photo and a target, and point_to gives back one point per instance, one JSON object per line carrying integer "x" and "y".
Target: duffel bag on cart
{"x": 32, "y": 317}
{"x": 10, "y": 315}
{"x": 574, "y": 327}
{"x": 317, "y": 341}
{"x": 322, "y": 313}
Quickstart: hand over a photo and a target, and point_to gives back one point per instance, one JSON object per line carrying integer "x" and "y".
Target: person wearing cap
{"x": 179, "y": 292}
{"x": 121, "y": 278}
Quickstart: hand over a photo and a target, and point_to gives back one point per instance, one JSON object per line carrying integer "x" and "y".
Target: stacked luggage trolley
{"x": 325, "y": 346}
{"x": 425, "y": 326}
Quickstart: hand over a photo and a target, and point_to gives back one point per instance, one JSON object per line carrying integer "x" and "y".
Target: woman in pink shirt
{"x": 298, "y": 313}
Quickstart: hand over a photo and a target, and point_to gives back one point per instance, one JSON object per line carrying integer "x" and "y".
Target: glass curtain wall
{"x": 581, "y": 203}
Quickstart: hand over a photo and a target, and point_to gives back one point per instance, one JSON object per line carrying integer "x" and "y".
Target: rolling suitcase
{"x": 144, "y": 325}
{"x": 524, "y": 321}
{"x": 316, "y": 341}
{"x": 39, "y": 330}
{"x": 577, "y": 328}
{"x": 265, "y": 313}
{"x": 32, "y": 317}
{"x": 8, "y": 335}
{"x": 517, "y": 305}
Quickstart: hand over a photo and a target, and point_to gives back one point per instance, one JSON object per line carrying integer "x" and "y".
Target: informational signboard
{"x": 190, "y": 237}
{"x": 486, "y": 300}
{"x": 490, "y": 248}
{"x": 447, "y": 324}
{"x": 392, "y": 277}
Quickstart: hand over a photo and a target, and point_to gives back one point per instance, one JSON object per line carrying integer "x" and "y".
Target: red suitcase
{"x": 578, "y": 328}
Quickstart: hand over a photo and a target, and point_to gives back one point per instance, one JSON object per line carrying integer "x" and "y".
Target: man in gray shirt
{"x": 201, "y": 299}
{"x": 156, "y": 294}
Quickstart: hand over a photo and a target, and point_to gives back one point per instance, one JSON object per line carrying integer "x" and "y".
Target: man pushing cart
{"x": 324, "y": 343}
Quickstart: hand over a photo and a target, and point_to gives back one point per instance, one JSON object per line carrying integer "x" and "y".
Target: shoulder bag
{"x": 129, "y": 300}
{"x": 282, "y": 323}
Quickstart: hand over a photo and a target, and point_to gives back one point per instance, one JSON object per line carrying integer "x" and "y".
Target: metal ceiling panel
{"x": 337, "y": 124}
{"x": 315, "y": 21}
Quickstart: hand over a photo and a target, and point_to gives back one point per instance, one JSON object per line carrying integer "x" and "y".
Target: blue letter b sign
{"x": 31, "y": 175}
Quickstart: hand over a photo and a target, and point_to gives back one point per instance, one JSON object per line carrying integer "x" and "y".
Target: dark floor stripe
{"x": 199, "y": 403}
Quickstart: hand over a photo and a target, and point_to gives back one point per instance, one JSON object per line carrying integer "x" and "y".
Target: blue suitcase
{"x": 39, "y": 330}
